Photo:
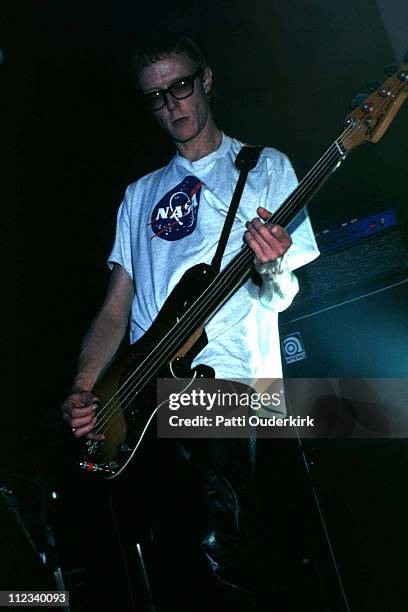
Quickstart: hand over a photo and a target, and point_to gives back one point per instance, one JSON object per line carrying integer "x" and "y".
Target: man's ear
{"x": 207, "y": 80}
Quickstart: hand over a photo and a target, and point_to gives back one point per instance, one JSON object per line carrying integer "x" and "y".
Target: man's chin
{"x": 182, "y": 138}
{"x": 184, "y": 132}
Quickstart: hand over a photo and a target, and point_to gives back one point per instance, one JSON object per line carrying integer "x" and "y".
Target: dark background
{"x": 285, "y": 72}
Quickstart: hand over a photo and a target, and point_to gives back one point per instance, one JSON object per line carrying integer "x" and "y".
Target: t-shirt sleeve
{"x": 121, "y": 252}
{"x": 304, "y": 248}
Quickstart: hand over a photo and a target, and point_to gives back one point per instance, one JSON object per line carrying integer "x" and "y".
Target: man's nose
{"x": 171, "y": 102}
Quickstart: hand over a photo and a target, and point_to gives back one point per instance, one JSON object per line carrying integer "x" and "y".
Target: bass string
{"x": 307, "y": 182}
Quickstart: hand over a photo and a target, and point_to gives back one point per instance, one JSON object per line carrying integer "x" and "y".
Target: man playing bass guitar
{"x": 170, "y": 220}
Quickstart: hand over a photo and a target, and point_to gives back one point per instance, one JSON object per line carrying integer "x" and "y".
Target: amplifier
{"x": 350, "y": 231}
{"x": 350, "y": 317}
{"x": 358, "y": 255}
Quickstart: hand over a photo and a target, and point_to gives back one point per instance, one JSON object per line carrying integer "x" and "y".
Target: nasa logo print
{"x": 175, "y": 215}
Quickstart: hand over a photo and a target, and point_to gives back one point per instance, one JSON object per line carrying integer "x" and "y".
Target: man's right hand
{"x": 78, "y": 411}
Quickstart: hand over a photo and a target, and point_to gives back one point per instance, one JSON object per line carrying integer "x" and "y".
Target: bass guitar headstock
{"x": 372, "y": 116}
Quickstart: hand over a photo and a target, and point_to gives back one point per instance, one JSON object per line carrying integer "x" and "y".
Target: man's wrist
{"x": 81, "y": 385}
{"x": 270, "y": 270}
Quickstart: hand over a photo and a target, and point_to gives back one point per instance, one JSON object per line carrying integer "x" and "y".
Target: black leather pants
{"x": 223, "y": 469}
{"x": 213, "y": 479}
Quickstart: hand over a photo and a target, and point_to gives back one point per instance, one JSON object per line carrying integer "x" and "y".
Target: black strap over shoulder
{"x": 248, "y": 157}
{"x": 245, "y": 161}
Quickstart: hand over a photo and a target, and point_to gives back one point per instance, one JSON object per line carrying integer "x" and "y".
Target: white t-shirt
{"x": 171, "y": 220}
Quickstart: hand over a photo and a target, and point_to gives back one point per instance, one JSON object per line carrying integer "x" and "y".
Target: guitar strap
{"x": 245, "y": 161}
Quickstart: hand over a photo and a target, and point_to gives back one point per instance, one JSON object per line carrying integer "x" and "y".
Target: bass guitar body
{"x": 127, "y": 390}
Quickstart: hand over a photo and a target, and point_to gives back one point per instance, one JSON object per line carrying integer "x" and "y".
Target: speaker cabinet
{"x": 360, "y": 337}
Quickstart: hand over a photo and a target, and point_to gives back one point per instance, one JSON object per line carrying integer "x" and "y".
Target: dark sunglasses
{"x": 183, "y": 88}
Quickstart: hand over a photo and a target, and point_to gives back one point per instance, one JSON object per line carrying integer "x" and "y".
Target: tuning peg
{"x": 374, "y": 85}
{"x": 403, "y": 76}
{"x": 391, "y": 69}
{"x": 358, "y": 100}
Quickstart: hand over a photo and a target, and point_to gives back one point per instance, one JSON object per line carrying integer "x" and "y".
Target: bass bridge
{"x": 93, "y": 452}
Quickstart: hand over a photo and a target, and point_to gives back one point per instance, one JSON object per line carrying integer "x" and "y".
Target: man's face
{"x": 184, "y": 119}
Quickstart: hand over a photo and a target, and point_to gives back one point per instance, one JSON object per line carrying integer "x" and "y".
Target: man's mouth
{"x": 179, "y": 121}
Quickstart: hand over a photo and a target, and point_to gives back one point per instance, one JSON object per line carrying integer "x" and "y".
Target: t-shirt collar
{"x": 207, "y": 160}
